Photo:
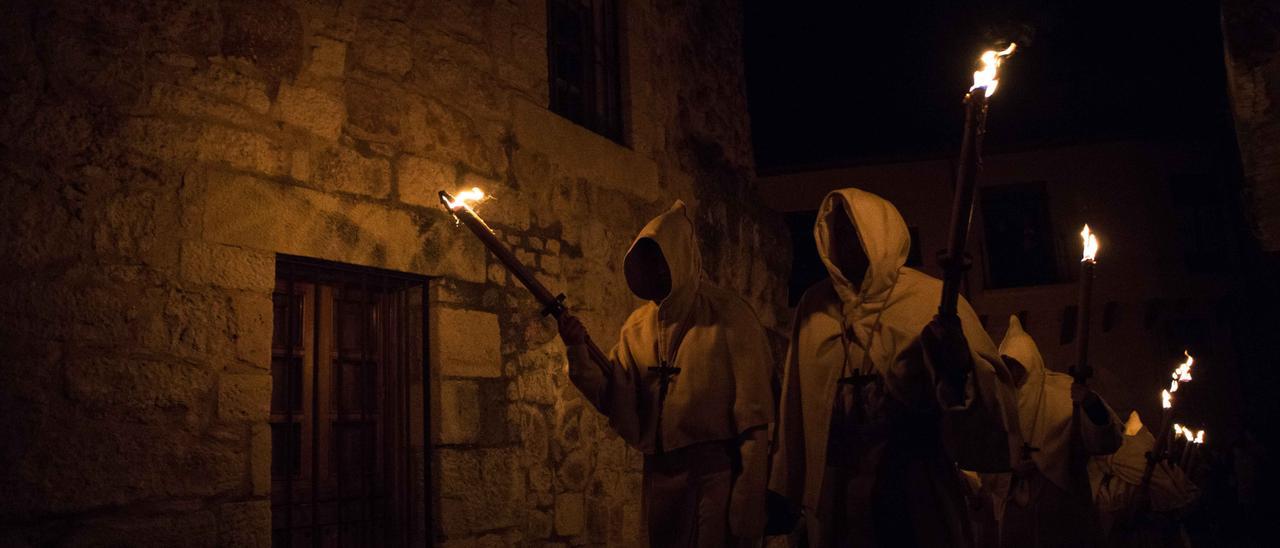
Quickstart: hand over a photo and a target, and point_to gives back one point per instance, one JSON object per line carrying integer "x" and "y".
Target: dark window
{"x": 1019, "y": 236}
{"x": 347, "y": 387}
{"x": 1110, "y": 315}
{"x": 583, "y": 64}
{"x": 1067, "y": 333}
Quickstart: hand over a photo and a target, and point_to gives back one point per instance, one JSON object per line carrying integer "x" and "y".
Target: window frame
{"x": 600, "y": 81}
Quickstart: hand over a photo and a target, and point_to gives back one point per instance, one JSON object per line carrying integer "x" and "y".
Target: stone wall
{"x": 157, "y": 155}
{"x": 1251, "y": 29}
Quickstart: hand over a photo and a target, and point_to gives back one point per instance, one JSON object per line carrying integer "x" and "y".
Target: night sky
{"x": 854, "y": 82}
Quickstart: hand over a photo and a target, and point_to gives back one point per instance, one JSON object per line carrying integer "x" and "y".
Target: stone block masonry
{"x": 158, "y": 157}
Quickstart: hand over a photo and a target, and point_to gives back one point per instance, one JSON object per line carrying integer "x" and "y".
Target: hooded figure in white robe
{"x": 1047, "y": 500}
{"x": 869, "y": 434}
{"x": 1128, "y": 517}
{"x": 689, "y": 385}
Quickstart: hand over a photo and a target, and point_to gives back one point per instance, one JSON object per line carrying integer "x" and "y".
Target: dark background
{"x": 855, "y": 82}
{"x": 875, "y": 82}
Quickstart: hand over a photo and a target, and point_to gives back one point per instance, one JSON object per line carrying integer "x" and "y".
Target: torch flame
{"x": 1183, "y": 372}
{"x": 989, "y": 76}
{"x": 1166, "y": 399}
{"x": 1177, "y": 429}
{"x": 1186, "y": 433}
{"x": 1090, "y": 242}
{"x": 1173, "y": 386}
{"x": 1200, "y": 437}
{"x": 466, "y": 198}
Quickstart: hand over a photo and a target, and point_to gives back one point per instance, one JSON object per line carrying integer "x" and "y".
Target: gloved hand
{"x": 572, "y": 331}
{"x": 946, "y": 349}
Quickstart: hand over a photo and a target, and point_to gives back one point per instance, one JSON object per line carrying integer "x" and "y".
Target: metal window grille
{"x": 583, "y": 64}
{"x": 348, "y": 407}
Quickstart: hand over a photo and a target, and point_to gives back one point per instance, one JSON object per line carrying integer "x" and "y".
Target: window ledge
{"x": 581, "y": 153}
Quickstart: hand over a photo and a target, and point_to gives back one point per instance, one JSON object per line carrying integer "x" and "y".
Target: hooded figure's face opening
{"x": 1016, "y": 370}
{"x": 846, "y": 248}
{"x": 648, "y": 274}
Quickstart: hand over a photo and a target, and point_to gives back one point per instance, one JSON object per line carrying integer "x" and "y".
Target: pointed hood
{"x": 1044, "y": 405}
{"x": 673, "y": 233}
{"x": 723, "y": 387}
{"x": 882, "y": 237}
{"x": 1133, "y": 425}
{"x": 1017, "y": 344}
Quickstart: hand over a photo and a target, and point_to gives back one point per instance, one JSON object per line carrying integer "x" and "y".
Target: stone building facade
{"x": 161, "y": 156}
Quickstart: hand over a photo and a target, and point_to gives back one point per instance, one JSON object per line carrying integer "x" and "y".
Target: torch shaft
{"x": 550, "y": 302}
{"x": 1157, "y": 453}
{"x": 1082, "y": 370}
{"x": 953, "y": 261}
{"x": 505, "y": 256}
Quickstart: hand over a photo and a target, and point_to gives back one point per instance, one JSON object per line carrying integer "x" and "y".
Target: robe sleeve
{"x": 1100, "y": 439}
{"x": 615, "y": 396}
{"x": 981, "y": 432}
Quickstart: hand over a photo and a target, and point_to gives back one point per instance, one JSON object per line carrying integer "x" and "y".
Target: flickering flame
{"x": 1183, "y": 372}
{"x": 1200, "y": 437}
{"x": 1173, "y": 386}
{"x": 1090, "y": 242}
{"x": 1166, "y": 399}
{"x": 989, "y": 76}
{"x": 1186, "y": 433}
{"x": 1177, "y": 429}
{"x": 467, "y": 198}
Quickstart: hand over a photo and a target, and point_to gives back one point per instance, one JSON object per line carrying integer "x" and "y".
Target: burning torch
{"x": 552, "y": 305}
{"x": 1180, "y": 375}
{"x": 1081, "y": 371}
{"x": 953, "y": 260}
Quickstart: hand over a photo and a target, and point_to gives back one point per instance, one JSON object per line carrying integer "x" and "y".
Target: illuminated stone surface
{"x": 159, "y": 158}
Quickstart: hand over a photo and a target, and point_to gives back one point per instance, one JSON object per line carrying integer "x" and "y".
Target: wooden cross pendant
{"x": 859, "y": 379}
{"x": 1027, "y": 450}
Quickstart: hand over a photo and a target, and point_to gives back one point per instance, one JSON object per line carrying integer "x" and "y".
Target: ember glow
{"x": 467, "y": 198}
{"x": 1166, "y": 399}
{"x": 989, "y": 76}
{"x": 1090, "y": 242}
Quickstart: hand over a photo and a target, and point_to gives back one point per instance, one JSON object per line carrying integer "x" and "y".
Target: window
{"x": 582, "y": 60}
{"x": 1018, "y": 236}
{"x": 347, "y": 395}
{"x": 1110, "y": 315}
{"x": 1067, "y": 331}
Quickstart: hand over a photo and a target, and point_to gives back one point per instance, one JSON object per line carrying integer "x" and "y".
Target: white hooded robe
{"x": 1116, "y": 481}
{"x": 690, "y": 436}
{"x": 1050, "y": 504}
{"x": 897, "y": 485}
